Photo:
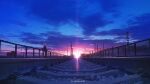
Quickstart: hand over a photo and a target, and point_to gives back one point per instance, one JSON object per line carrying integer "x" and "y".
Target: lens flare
{"x": 77, "y": 54}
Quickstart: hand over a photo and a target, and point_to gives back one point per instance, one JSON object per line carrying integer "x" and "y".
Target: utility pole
{"x": 103, "y": 48}
{"x": 127, "y": 38}
{"x": 103, "y": 45}
{"x": 94, "y": 47}
{"x": 45, "y": 51}
{"x": 71, "y": 51}
{"x": 67, "y": 52}
{"x": 97, "y": 47}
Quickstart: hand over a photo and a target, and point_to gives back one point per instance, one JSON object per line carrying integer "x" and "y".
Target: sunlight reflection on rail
{"x": 77, "y": 64}
{"x": 77, "y": 55}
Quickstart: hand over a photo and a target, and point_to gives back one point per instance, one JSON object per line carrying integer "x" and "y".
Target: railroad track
{"x": 73, "y": 71}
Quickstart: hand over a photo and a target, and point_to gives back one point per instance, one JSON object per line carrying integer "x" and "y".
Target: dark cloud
{"x": 32, "y": 38}
{"x": 55, "y": 11}
{"x": 108, "y": 43}
{"x": 63, "y": 11}
{"x": 55, "y": 38}
{"x": 114, "y": 32}
{"x": 136, "y": 27}
{"x": 19, "y": 23}
{"x": 3, "y": 37}
{"x": 109, "y": 5}
{"x": 140, "y": 27}
{"x": 59, "y": 11}
{"x": 52, "y": 39}
{"x": 91, "y": 23}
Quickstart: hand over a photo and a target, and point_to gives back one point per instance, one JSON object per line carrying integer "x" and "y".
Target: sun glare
{"x": 77, "y": 54}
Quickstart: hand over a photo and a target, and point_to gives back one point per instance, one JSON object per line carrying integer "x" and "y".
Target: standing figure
{"x": 45, "y": 50}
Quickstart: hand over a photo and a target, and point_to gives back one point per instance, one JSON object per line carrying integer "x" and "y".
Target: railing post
{"x": 39, "y": 52}
{"x": 50, "y": 53}
{"x": 46, "y": 53}
{"x": 149, "y": 42}
{"x": 125, "y": 50}
{"x": 108, "y": 52}
{"x": 118, "y": 51}
{"x": 0, "y": 46}
{"x": 149, "y": 45}
{"x": 33, "y": 52}
{"x": 43, "y": 53}
{"x": 105, "y": 53}
{"x": 15, "y": 50}
{"x": 26, "y": 51}
{"x": 135, "y": 49}
{"x": 112, "y": 54}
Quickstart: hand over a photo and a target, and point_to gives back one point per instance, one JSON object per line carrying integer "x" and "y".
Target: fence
{"x": 9, "y": 49}
{"x": 139, "y": 48}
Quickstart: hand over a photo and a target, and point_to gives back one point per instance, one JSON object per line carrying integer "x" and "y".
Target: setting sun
{"x": 77, "y": 54}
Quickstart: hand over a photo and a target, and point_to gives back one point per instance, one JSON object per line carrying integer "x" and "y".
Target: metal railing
{"x": 139, "y": 48}
{"x": 9, "y": 49}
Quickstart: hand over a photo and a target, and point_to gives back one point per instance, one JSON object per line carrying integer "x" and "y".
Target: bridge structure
{"x": 131, "y": 62}
{"x": 14, "y": 50}
{"x": 136, "y": 49}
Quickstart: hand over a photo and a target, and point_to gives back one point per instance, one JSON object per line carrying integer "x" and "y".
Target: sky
{"x": 57, "y": 23}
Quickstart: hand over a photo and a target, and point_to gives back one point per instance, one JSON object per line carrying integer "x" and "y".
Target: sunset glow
{"x": 77, "y": 52}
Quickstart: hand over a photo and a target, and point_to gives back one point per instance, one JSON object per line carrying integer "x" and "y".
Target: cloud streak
{"x": 58, "y": 12}
{"x": 135, "y": 27}
{"x": 55, "y": 40}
